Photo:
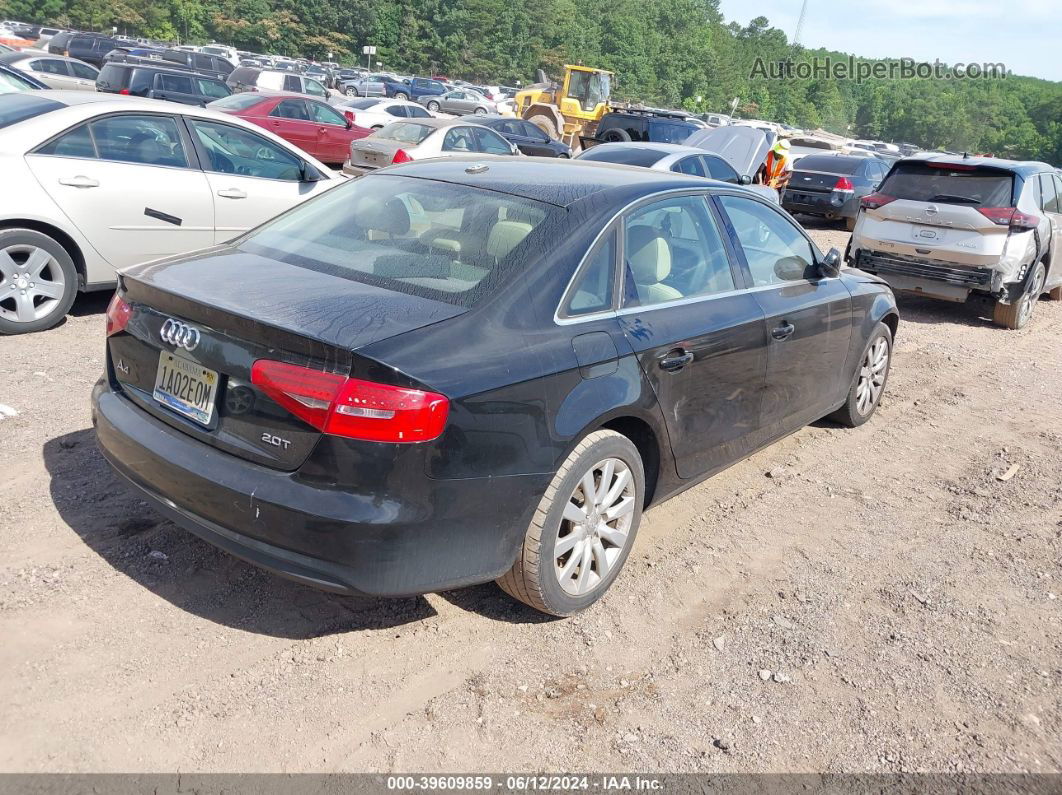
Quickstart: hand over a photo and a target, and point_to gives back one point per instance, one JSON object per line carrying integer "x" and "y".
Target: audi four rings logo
{"x": 179, "y": 334}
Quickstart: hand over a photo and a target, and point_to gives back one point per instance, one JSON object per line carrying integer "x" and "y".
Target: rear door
{"x": 699, "y": 335}
{"x": 140, "y": 168}
{"x": 290, "y": 119}
{"x": 176, "y": 88}
{"x": 808, "y": 319}
{"x": 251, "y": 178}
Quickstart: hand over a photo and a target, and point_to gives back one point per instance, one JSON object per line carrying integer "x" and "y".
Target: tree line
{"x": 674, "y": 53}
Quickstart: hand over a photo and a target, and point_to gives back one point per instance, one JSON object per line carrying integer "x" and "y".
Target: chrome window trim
{"x": 618, "y": 217}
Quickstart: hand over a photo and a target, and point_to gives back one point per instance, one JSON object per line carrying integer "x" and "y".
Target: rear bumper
{"x": 811, "y": 203}
{"x": 356, "y": 171}
{"x": 450, "y": 534}
{"x": 948, "y": 282}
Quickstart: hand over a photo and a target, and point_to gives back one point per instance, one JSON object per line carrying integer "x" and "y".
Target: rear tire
{"x": 38, "y": 281}
{"x": 572, "y": 551}
{"x": 869, "y": 382}
{"x": 480, "y": 111}
{"x": 433, "y": 106}
{"x": 1018, "y": 314}
{"x": 401, "y": 95}
{"x": 616, "y": 135}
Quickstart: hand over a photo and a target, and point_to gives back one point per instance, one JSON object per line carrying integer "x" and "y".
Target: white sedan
{"x": 377, "y": 112}
{"x": 97, "y": 182}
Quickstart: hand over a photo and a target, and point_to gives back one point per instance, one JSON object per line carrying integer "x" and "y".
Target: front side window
{"x": 212, "y": 88}
{"x": 396, "y": 110}
{"x": 83, "y": 71}
{"x": 315, "y": 88}
{"x": 322, "y": 114}
{"x": 459, "y": 139}
{"x": 232, "y": 150}
{"x": 775, "y": 249}
{"x": 148, "y": 140}
{"x": 719, "y": 169}
{"x": 490, "y": 142}
{"x": 448, "y": 242}
{"x": 291, "y": 83}
{"x": 673, "y": 249}
{"x": 1050, "y": 196}
{"x": 689, "y": 165}
{"x": 175, "y": 83}
{"x": 417, "y": 112}
{"x": 294, "y": 109}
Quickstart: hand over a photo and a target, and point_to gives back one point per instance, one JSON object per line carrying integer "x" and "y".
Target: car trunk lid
{"x": 187, "y": 352}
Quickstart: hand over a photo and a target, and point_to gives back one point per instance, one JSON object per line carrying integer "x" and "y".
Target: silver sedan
{"x": 460, "y": 102}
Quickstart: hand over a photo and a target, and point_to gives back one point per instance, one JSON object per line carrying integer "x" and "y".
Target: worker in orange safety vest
{"x": 778, "y": 167}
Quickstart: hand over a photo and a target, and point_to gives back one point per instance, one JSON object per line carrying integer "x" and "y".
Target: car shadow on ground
{"x": 94, "y": 303}
{"x": 916, "y": 309}
{"x": 192, "y": 575}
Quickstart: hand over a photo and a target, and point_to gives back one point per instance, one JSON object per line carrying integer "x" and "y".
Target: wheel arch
{"x": 60, "y": 237}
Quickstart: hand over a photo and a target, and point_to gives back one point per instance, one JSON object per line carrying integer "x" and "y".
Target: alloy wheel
{"x": 872, "y": 376}
{"x": 1028, "y": 301}
{"x": 32, "y": 283}
{"x": 595, "y": 528}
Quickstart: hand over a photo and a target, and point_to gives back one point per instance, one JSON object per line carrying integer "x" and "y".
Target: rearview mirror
{"x": 745, "y": 179}
{"x": 830, "y": 265}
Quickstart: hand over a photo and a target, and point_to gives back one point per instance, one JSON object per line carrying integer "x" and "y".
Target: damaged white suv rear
{"x": 959, "y": 228}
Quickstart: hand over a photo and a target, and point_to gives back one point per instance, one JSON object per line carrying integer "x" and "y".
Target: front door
{"x": 699, "y": 335}
{"x": 808, "y": 318}
{"x": 252, "y": 178}
{"x": 333, "y": 135}
{"x": 137, "y": 168}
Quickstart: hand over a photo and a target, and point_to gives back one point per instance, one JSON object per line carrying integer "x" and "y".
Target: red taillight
{"x": 843, "y": 183}
{"x": 1010, "y": 216}
{"x": 118, "y": 314}
{"x": 401, "y": 157}
{"x": 349, "y": 407}
{"x": 124, "y": 91}
{"x": 875, "y": 201}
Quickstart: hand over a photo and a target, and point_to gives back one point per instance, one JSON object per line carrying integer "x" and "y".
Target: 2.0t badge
{"x": 180, "y": 334}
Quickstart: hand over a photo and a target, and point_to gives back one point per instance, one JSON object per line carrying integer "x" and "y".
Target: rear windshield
{"x": 976, "y": 186}
{"x": 19, "y": 107}
{"x": 238, "y": 101}
{"x": 405, "y": 131}
{"x": 624, "y": 155}
{"x": 831, "y": 165}
{"x": 442, "y": 241}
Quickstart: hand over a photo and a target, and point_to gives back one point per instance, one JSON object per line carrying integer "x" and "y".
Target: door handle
{"x": 79, "y": 182}
{"x": 232, "y": 193}
{"x": 783, "y": 332}
{"x": 674, "y": 360}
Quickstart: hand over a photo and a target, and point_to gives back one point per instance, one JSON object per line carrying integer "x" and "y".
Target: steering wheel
{"x": 264, "y": 153}
{"x": 222, "y": 163}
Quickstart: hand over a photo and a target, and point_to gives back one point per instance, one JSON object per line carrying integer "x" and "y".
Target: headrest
{"x": 391, "y": 216}
{"x": 505, "y": 236}
{"x": 648, "y": 255}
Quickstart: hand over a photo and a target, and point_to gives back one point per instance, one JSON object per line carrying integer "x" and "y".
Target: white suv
{"x": 954, "y": 227}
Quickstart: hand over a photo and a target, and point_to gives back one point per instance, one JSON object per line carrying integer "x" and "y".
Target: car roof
{"x": 560, "y": 182}
{"x": 651, "y": 146}
{"x": 1023, "y": 167}
{"x": 433, "y": 122}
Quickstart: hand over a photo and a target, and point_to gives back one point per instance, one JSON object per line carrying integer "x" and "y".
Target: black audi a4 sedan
{"x": 455, "y": 371}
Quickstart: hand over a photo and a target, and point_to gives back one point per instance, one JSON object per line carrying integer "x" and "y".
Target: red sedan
{"x": 314, "y": 126}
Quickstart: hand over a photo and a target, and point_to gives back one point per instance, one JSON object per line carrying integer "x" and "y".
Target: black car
{"x": 831, "y": 186}
{"x": 57, "y": 44}
{"x": 529, "y": 138}
{"x": 460, "y": 370}
{"x": 201, "y": 63}
{"x": 634, "y": 125}
{"x": 91, "y": 48}
{"x": 155, "y": 80}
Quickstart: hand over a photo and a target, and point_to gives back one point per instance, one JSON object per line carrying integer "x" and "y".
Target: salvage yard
{"x": 878, "y": 599}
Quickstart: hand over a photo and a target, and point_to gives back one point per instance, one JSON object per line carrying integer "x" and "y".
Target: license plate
{"x": 186, "y": 387}
{"x": 928, "y": 233}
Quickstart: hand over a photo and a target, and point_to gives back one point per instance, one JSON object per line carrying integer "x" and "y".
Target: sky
{"x": 1023, "y": 34}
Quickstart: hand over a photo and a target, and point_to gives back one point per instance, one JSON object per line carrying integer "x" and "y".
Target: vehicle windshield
{"x": 443, "y": 241}
{"x": 19, "y": 107}
{"x": 987, "y": 187}
{"x": 623, "y": 155}
{"x": 9, "y": 84}
{"x": 589, "y": 88}
{"x": 831, "y": 165}
{"x": 405, "y": 131}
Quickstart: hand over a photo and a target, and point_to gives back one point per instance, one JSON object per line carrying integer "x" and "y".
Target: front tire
{"x": 433, "y": 106}
{"x": 480, "y": 111}
{"x": 584, "y": 527}
{"x": 869, "y": 382}
{"x": 38, "y": 281}
{"x": 1018, "y": 314}
{"x": 351, "y": 92}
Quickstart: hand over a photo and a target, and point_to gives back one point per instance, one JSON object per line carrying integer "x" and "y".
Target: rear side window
{"x": 16, "y": 108}
{"x": 176, "y": 83}
{"x": 1050, "y": 194}
{"x": 973, "y": 185}
{"x": 211, "y": 88}
{"x": 593, "y": 288}
{"x": 447, "y": 242}
{"x": 668, "y": 133}
{"x": 50, "y": 66}
{"x": 291, "y": 83}
{"x": 149, "y": 140}
{"x": 76, "y": 143}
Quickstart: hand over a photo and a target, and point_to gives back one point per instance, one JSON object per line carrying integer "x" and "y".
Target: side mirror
{"x": 350, "y": 124}
{"x": 830, "y": 266}
{"x": 745, "y": 179}
{"x": 307, "y": 173}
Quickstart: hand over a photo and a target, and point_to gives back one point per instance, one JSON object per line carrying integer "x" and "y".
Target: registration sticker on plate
{"x": 186, "y": 387}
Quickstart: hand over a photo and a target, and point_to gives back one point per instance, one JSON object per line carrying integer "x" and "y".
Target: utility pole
{"x": 800, "y": 23}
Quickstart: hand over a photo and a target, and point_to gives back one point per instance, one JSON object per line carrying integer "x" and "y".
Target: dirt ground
{"x": 879, "y": 599}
